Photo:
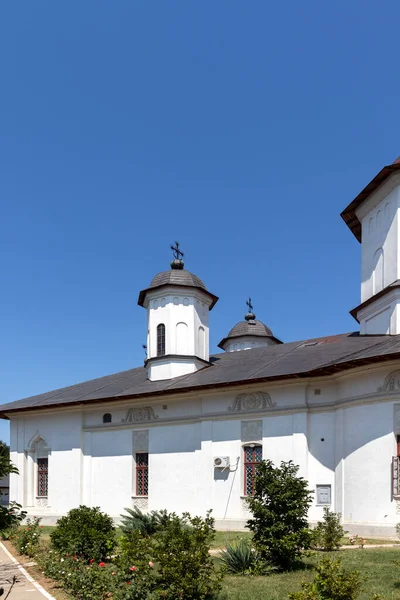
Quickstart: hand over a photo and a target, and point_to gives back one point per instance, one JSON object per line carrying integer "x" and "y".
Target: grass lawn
{"x": 382, "y": 576}
{"x": 222, "y": 538}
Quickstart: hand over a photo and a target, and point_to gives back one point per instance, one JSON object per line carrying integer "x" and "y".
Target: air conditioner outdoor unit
{"x": 221, "y": 462}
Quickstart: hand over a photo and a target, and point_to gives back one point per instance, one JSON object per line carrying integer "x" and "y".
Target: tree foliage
{"x": 279, "y": 509}
{"x": 6, "y": 466}
{"x": 12, "y": 515}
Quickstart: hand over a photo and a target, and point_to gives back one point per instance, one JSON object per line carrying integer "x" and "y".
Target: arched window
{"x": 37, "y": 471}
{"x": 252, "y": 457}
{"x": 107, "y": 418}
{"x": 161, "y": 339}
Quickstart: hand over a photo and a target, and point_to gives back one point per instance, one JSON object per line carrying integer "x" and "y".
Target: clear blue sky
{"x": 241, "y": 129}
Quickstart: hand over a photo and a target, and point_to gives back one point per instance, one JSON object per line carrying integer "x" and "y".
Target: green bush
{"x": 331, "y": 582}
{"x": 329, "y": 532}
{"x": 172, "y": 564}
{"x": 85, "y": 532}
{"x": 279, "y": 507}
{"x": 10, "y": 517}
{"x": 146, "y": 523}
{"x": 238, "y": 558}
{"x": 26, "y": 538}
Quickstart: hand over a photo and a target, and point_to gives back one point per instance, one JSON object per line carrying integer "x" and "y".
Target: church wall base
{"x": 367, "y": 530}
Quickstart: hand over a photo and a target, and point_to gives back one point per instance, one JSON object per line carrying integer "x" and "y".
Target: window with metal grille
{"x": 142, "y": 474}
{"x": 252, "y": 457}
{"x": 43, "y": 476}
{"x": 161, "y": 339}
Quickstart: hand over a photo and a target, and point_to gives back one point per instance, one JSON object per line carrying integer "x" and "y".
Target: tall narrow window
{"x": 142, "y": 474}
{"x": 252, "y": 458}
{"x": 43, "y": 476}
{"x": 161, "y": 339}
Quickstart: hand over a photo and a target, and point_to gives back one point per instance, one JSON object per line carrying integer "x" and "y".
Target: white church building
{"x": 185, "y": 431}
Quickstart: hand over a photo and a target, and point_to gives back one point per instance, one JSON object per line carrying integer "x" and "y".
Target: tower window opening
{"x": 161, "y": 339}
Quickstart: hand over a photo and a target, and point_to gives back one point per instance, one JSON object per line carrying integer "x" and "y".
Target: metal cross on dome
{"x": 249, "y": 304}
{"x": 178, "y": 254}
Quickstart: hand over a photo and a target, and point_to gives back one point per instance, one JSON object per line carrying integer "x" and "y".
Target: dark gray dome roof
{"x": 250, "y": 328}
{"x": 177, "y": 277}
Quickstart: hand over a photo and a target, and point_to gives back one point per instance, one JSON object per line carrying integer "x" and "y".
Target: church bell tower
{"x": 178, "y": 305}
{"x": 374, "y": 218}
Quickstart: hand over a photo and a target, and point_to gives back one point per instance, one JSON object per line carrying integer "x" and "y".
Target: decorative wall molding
{"x": 140, "y": 415}
{"x": 244, "y": 505}
{"x": 251, "y": 431}
{"x": 253, "y": 401}
{"x": 34, "y": 441}
{"x": 140, "y": 441}
{"x": 42, "y": 502}
{"x": 391, "y": 383}
{"x": 141, "y": 502}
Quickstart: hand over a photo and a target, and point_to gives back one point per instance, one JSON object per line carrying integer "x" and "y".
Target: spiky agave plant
{"x": 146, "y": 523}
{"x": 238, "y": 558}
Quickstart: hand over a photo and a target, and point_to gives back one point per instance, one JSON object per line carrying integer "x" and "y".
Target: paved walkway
{"x": 25, "y": 588}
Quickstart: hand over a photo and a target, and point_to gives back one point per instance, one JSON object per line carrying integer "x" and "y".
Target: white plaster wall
{"x": 178, "y": 473}
{"x": 173, "y": 367}
{"x": 321, "y": 458}
{"x": 227, "y": 485}
{"x": 369, "y": 445}
{"x": 111, "y": 472}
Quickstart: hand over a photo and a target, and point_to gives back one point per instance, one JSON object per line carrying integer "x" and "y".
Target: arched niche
{"x": 37, "y": 455}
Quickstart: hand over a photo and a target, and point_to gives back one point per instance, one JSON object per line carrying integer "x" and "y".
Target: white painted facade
{"x": 380, "y": 258}
{"x": 340, "y": 430}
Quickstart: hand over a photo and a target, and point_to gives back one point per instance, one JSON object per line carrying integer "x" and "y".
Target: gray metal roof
{"x": 176, "y": 277}
{"x": 250, "y": 328}
{"x": 307, "y": 358}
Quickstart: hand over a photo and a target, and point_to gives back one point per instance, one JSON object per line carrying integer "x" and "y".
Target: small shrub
{"x": 146, "y": 523}
{"x": 280, "y": 507}
{"x": 85, "y": 532}
{"x": 329, "y": 532}
{"x": 331, "y": 581}
{"x": 27, "y": 538}
{"x": 238, "y": 558}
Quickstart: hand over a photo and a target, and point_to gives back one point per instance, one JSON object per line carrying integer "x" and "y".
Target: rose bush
{"x": 27, "y": 538}
{"x": 83, "y": 580}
